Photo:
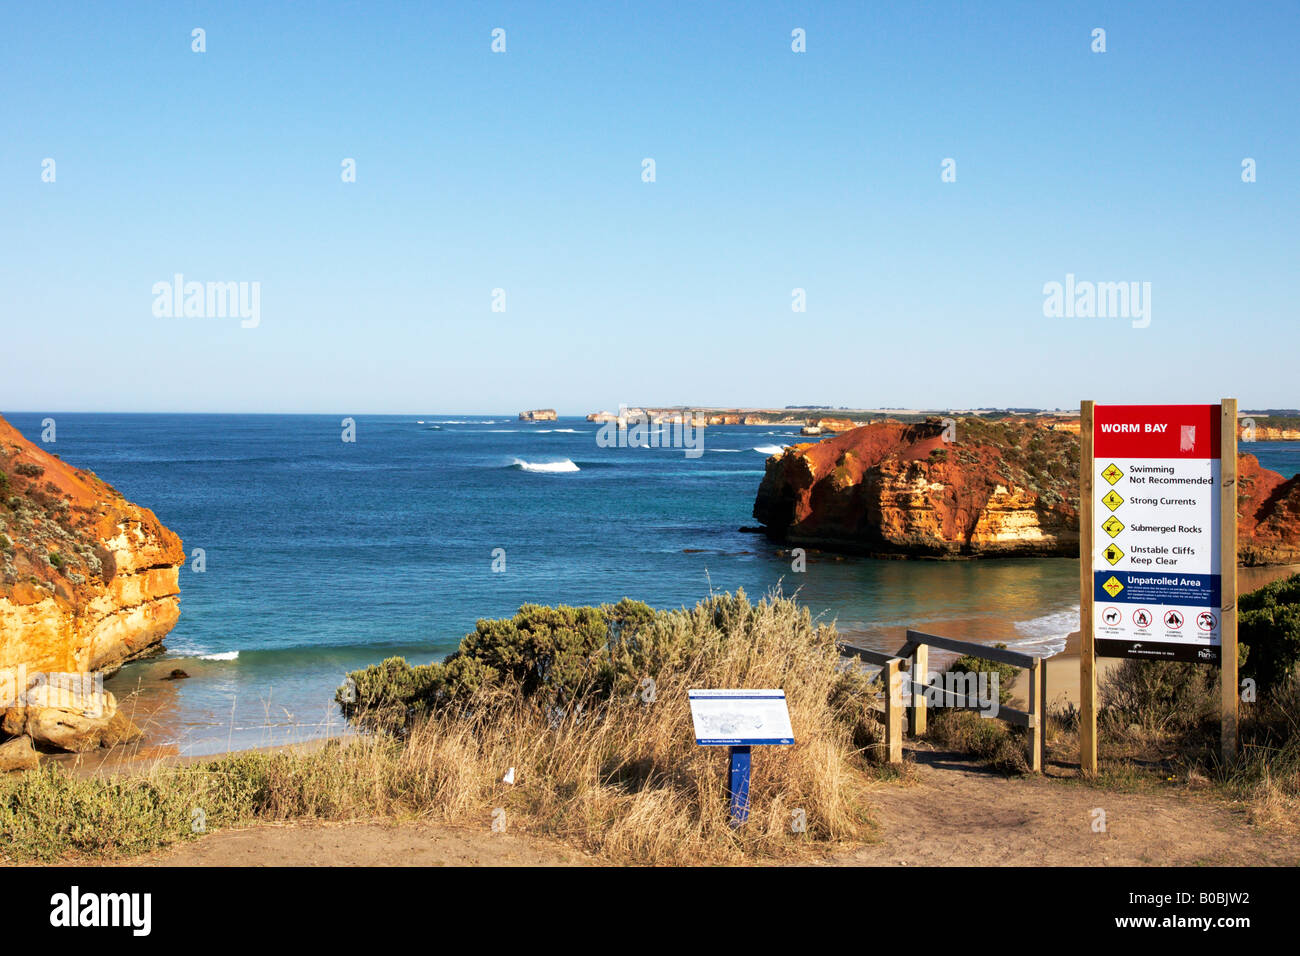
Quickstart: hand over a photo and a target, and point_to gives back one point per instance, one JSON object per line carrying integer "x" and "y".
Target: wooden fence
{"x": 914, "y": 658}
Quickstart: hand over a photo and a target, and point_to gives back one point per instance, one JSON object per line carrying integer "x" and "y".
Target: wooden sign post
{"x": 1228, "y": 573}
{"x": 1157, "y": 546}
{"x": 1087, "y": 649}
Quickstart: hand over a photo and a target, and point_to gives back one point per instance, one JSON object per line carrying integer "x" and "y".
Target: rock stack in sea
{"x": 998, "y": 488}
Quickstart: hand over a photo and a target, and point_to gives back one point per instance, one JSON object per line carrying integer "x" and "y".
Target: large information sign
{"x": 1156, "y": 542}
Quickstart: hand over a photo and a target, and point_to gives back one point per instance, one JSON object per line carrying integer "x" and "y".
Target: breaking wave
{"x": 545, "y": 467}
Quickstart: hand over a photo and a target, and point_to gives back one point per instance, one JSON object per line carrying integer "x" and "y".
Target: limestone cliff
{"x": 1268, "y": 515}
{"x": 88, "y": 580}
{"x": 538, "y": 415}
{"x": 1001, "y": 488}
{"x": 896, "y": 489}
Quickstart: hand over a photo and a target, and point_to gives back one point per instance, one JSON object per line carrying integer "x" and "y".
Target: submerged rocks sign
{"x": 1156, "y": 555}
{"x": 1158, "y": 546}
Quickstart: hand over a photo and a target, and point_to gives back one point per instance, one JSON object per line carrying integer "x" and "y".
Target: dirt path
{"x": 364, "y": 844}
{"x": 954, "y": 813}
{"x": 958, "y": 814}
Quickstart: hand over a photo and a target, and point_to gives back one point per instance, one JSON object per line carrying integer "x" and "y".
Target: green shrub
{"x": 1268, "y": 630}
{"x": 554, "y": 654}
{"x": 1161, "y": 695}
{"x": 987, "y": 739}
{"x": 1007, "y": 673}
{"x": 28, "y": 469}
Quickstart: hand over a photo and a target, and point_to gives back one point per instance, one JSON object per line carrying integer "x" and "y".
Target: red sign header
{"x": 1156, "y": 431}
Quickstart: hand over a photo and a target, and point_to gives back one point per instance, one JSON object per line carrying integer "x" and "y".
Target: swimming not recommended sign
{"x": 740, "y": 718}
{"x": 1156, "y": 542}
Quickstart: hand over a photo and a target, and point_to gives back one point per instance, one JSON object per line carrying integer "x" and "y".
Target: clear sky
{"x": 775, "y": 170}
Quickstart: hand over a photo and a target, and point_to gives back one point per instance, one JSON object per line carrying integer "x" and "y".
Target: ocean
{"x": 323, "y": 556}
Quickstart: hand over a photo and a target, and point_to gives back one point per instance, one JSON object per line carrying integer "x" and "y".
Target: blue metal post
{"x": 738, "y": 785}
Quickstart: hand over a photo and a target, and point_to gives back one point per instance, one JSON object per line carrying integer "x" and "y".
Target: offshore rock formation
{"x": 1268, "y": 515}
{"x": 1002, "y": 488}
{"x": 88, "y": 581}
{"x": 896, "y": 489}
{"x": 538, "y": 415}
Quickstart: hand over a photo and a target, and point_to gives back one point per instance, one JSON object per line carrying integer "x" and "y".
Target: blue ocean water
{"x": 323, "y": 556}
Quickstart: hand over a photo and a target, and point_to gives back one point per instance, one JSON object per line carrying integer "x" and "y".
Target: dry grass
{"x": 619, "y": 777}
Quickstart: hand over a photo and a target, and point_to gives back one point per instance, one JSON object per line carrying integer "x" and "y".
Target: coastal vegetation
{"x": 587, "y": 705}
{"x": 584, "y": 711}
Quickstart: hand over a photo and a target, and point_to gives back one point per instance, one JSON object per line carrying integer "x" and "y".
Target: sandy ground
{"x": 959, "y": 814}
{"x": 951, "y": 813}
{"x": 365, "y": 844}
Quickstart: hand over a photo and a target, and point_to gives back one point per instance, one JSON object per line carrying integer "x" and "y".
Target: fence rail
{"x": 913, "y": 658}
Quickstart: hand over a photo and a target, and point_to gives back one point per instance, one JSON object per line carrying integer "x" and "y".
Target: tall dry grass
{"x": 619, "y": 776}
{"x": 623, "y": 777}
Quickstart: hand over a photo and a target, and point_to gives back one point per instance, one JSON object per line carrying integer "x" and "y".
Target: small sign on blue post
{"x": 740, "y": 719}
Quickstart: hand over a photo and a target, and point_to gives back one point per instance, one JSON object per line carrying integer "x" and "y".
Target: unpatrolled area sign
{"x": 1156, "y": 554}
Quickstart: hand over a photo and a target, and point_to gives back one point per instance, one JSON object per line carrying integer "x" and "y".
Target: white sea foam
{"x": 1048, "y": 631}
{"x": 770, "y": 449}
{"x": 546, "y": 467}
{"x": 222, "y": 656}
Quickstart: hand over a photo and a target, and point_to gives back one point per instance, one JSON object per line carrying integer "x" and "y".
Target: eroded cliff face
{"x": 895, "y": 489}
{"x": 88, "y": 580}
{"x": 1004, "y": 488}
{"x": 1268, "y": 515}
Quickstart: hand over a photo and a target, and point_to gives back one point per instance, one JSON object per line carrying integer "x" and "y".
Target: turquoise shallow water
{"x": 323, "y": 556}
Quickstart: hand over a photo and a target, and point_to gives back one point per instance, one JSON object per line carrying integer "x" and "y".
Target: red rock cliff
{"x": 1268, "y": 515}
{"x": 1000, "y": 489}
{"x": 88, "y": 580}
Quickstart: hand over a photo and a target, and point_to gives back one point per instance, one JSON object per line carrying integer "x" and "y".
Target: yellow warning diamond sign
{"x": 1112, "y": 526}
{"x": 1113, "y": 473}
{"x": 1112, "y": 586}
{"x": 1113, "y": 554}
{"x": 1112, "y": 499}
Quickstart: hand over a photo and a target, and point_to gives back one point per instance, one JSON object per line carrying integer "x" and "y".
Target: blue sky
{"x": 522, "y": 171}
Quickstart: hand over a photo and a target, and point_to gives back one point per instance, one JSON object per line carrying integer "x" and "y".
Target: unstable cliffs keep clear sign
{"x": 1156, "y": 543}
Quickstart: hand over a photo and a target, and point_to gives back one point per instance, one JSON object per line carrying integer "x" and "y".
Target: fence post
{"x": 1042, "y": 711}
{"x": 1035, "y": 716}
{"x": 920, "y": 671}
{"x": 893, "y": 713}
